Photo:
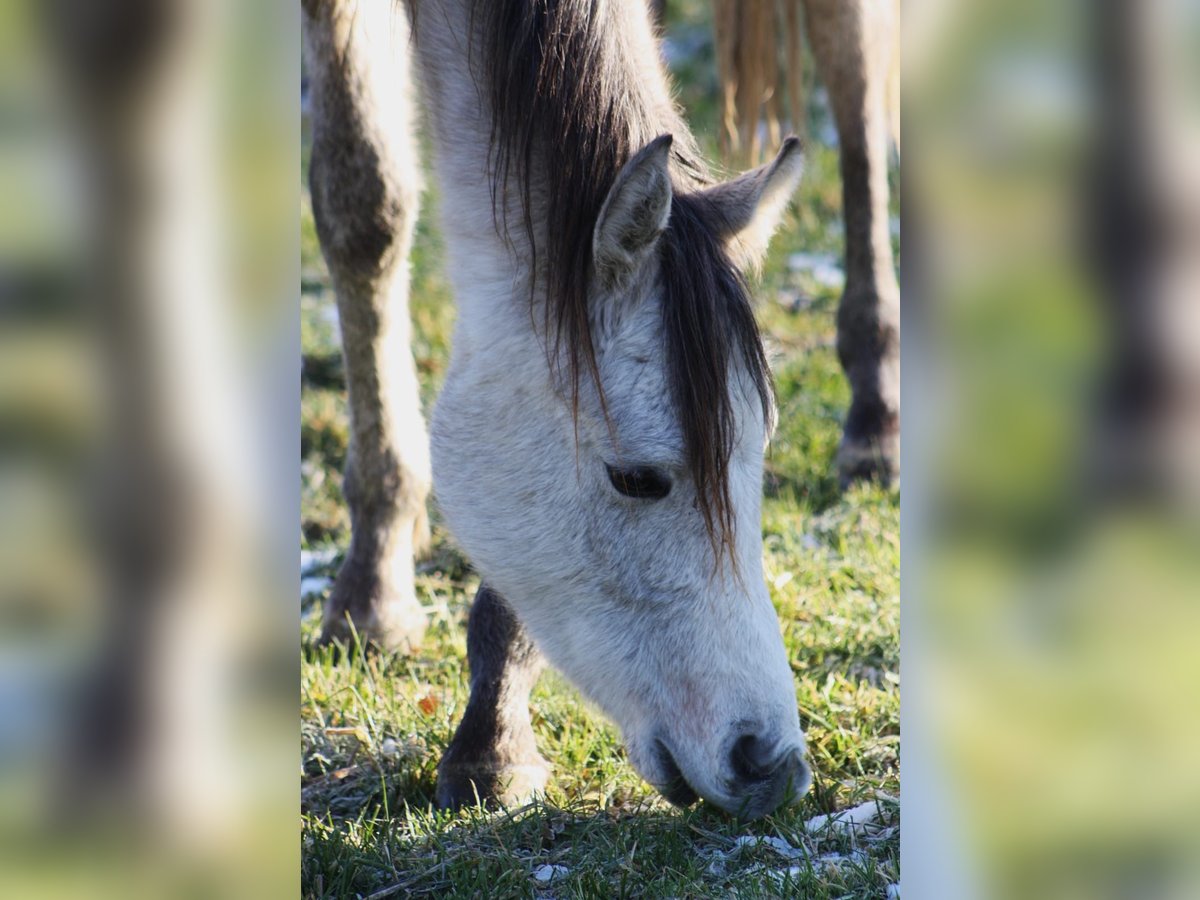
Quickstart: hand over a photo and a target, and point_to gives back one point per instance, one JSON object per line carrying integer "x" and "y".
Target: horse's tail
{"x": 761, "y": 61}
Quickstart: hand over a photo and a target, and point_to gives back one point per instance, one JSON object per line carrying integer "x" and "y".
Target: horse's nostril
{"x": 676, "y": 789}
{"x": 752, "y": 760}
{"x": 766, "y": 775}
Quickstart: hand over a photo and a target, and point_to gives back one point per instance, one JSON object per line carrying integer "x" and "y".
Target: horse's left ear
{"x": 752, "y": 204}
{"x": 634, "y": 214}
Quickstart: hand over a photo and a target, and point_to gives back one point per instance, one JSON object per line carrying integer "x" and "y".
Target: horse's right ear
{"x": 634, "y": 214}
{"x": 752, "y": 204}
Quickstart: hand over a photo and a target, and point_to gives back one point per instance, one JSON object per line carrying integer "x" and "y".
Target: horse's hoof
{"x": 868, "y": 460}
{"x": 378, "y": 615}
{"x": 491, "y": 784}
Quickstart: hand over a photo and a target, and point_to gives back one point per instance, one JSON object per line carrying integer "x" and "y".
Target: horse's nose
{"x": 753, "y": 759}
{"x": 767, "y": 775}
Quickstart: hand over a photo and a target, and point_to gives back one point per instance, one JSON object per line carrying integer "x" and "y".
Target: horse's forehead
{"x": 639, "y": 396}
{"x": 634, "y": 315}
{"x": 635, "y": 369}
{"x": 643, "y": 412}
{"x": 634, "y": 357}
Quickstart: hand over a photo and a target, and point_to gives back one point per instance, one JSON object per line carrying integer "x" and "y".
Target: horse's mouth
{"x": 675, "y": 788}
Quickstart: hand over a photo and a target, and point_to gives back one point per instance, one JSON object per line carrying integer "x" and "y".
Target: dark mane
{"x": 568, "y": 109}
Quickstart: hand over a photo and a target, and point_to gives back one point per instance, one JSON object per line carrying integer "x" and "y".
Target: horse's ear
{"x": 634, "y": 214}
{"x": 752, "y": 204}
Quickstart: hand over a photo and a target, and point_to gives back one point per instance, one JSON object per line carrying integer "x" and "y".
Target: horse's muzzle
{"x": 758, "y": 777}
{"x": 763, "y": 778}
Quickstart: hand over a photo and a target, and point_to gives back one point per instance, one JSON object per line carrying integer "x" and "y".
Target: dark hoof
{"x": 875, "y": 461}
{"x": 379, "y": 615}
{"x": 490, "y": 783}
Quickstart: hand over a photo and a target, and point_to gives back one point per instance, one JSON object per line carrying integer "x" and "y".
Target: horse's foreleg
{"x": 493, "y": 755}
{"x": 365, "y": 186}
{"x": 854, "y": 44}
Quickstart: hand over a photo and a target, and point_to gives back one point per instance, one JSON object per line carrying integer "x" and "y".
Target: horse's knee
{"x": 363, "y": 212}
{"x": 385, "y": 486}
{"x": 363, "y": 174}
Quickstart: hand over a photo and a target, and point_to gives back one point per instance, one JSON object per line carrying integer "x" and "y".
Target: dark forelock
{"x": 564, "y": 99}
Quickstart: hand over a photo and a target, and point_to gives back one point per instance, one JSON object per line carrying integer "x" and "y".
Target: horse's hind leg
{"x": 854, "y": 44}
{"x": 364, "y": 182}
{"x": 493, "y": 755}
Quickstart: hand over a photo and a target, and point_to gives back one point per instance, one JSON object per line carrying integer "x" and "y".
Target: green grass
{"x": 373, "y": 727}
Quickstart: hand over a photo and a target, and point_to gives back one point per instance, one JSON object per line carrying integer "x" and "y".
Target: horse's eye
{"x": 641, "y": 482}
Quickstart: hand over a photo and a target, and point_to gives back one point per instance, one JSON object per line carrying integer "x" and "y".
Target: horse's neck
{"x": 489, "y": 270}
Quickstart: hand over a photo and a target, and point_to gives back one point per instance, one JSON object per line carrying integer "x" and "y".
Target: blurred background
{"x": 148, "y": 384}
{"x": 1050, "y": 450}
{"x": 148, "y": 392}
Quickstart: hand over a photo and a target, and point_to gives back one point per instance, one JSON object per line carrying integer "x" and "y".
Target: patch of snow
{"x": 823, "y": 267}
{"x": 830, "y": 861}
{"x": 856, "y": 820}
{"x": 313, "y": 584}
{"x": 315, "y": 559}
{"x": 716, "y": 864}
{"x": 778, "y": 844}
{"x": 330, "y": 314}
{"x": 718, "y": 859}
{"x": 546, "y": 874}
